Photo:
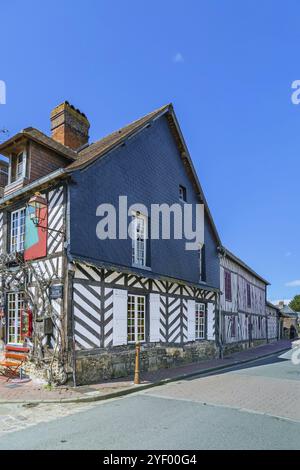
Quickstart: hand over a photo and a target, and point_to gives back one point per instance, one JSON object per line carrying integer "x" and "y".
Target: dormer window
{"x": 19, "y": 165}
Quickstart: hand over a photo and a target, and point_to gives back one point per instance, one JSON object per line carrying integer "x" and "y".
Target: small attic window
{"x": 17, "y": 166}
{"x": 182, "y": 193}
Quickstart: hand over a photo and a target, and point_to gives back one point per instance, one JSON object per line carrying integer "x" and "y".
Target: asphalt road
{"x": 255, "y": 407}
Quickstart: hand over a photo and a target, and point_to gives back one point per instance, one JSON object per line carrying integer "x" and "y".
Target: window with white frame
{"x": 15, "y": 307}
{"x": 17, "y": 230}
{"x": 19, "y": 165}
{"x": 139, "y": 236}
{"x": 136, "y": 318}
{"x": 200, "y": 321}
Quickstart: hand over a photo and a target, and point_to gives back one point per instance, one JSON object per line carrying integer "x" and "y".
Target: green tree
{"x": 295, "y": 303}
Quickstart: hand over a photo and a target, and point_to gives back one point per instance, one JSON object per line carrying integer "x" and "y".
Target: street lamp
{"x": 38, "y": 206}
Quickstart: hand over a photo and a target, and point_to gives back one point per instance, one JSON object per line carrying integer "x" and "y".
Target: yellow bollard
{"x": 137, "y": 364}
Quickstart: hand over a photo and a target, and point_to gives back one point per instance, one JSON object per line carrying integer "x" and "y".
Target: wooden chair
{"x": 14, "y": 358}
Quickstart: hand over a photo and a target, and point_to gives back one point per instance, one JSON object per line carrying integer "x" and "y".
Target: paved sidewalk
{"x": 32, "y": 391}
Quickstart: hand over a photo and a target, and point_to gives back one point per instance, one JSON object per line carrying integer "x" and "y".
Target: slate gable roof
{"x": 272, "y": 305}
{"x": 104, "y": 145}
{"x": 286, "y": 310}
{"x": 100, "y": 148}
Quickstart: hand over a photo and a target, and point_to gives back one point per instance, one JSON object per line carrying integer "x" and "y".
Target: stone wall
{"x": 119, "y": 361}
{"x": 241, "y": 345}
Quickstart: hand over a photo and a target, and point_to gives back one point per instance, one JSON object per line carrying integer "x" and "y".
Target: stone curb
{"x": 138, "y": 388}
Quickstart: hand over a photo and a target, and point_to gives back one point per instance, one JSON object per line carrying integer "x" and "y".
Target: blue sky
{"x": 227, "y": 66}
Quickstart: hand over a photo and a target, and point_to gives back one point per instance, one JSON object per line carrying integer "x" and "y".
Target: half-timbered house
{"x": 247, "y": 318}
{"x": 92, "y": 299}
{"x": 82, "y": 300}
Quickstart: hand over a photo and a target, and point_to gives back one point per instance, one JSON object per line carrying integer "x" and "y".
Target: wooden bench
{"x": 14, "y": 358}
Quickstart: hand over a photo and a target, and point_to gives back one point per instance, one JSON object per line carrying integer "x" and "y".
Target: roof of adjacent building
{"x": 41, "y": 138}
{"x": 269, "y": 304}
{"x": 288, "y": 311}
{"x": 230, "y": 255}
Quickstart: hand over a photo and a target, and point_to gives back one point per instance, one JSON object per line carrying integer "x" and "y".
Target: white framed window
{"x": 17, "y": 230}
{"x": 199, "y": 320}
{"x": 15, "y": 307}
{"x": 139, "y": 238}
{"x": 136, "y": 318}
{"x": 19, "y": 165}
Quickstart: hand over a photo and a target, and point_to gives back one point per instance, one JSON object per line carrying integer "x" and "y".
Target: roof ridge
{"x": 104, "y": 145}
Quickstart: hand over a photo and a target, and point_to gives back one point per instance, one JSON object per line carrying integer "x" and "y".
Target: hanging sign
{"x": 36, "y": 236}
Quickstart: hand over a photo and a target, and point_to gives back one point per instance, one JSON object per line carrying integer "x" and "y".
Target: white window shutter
{"x": 154, "y": 317}
{"x": 119, "y": 317}
{"x": 191, "y": 320}
{"x": 210, "y": 321}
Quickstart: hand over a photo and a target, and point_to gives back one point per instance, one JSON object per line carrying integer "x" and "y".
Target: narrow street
{"x": 255, "y": 406}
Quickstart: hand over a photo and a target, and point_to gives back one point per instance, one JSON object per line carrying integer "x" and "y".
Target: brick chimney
{"x": 69, "y": 126}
